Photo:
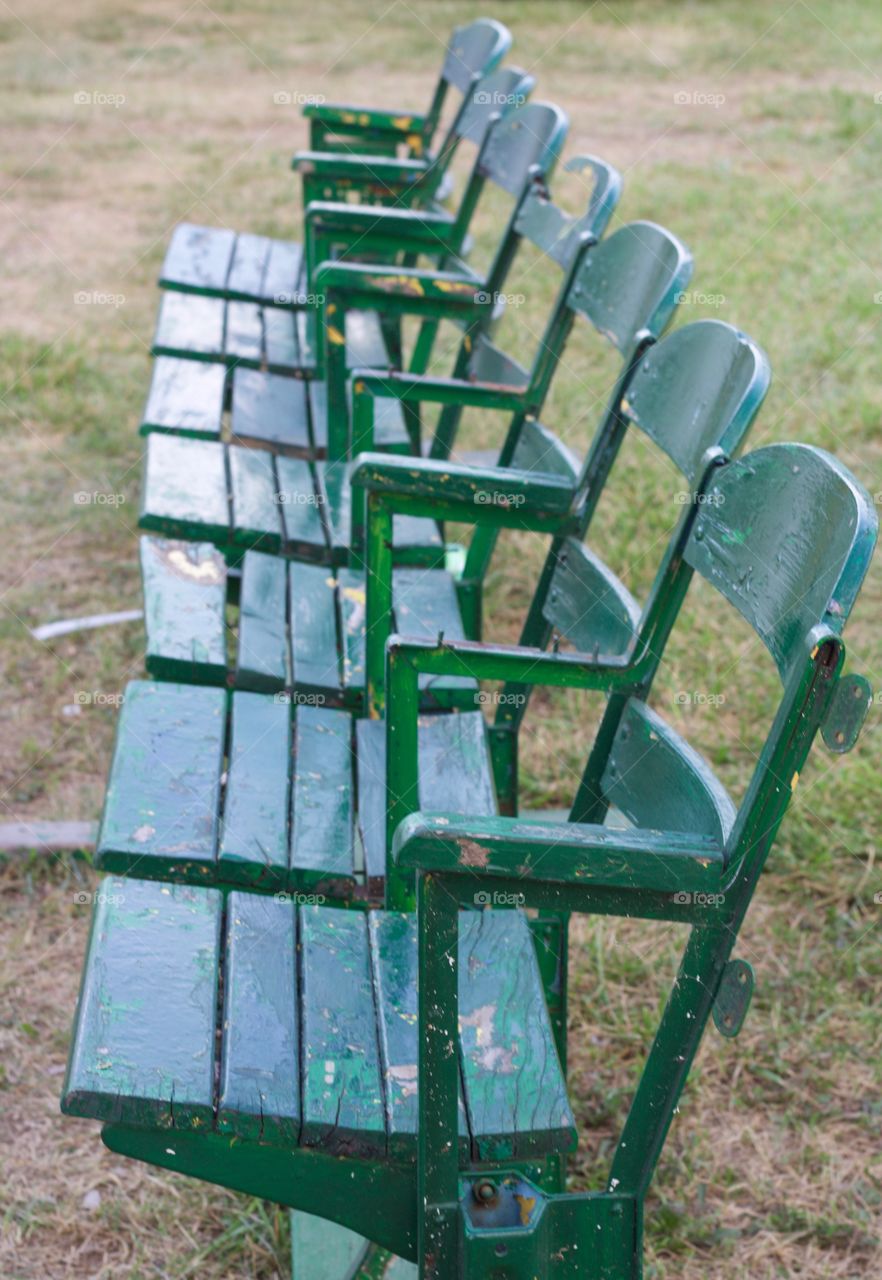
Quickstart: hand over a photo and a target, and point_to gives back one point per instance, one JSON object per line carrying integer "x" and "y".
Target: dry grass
{"x": 773, "y": 1167}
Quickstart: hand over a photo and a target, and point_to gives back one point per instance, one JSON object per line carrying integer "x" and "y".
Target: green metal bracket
{"x": 513, "y": 1230}
{"x": 733, "y": 997}
{"x": 847, "y": 712}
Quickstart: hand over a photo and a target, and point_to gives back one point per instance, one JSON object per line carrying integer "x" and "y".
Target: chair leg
{"x": 322, "y": 1250}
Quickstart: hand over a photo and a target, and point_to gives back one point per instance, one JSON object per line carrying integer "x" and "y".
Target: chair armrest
{"x": 361, "y": 167}
{"x": 356, "y": 119}
{"x": 368, "y": 383}
{"x": 561, "y": 852}
{"x": 327, "y": 216}
{"x": 445, "y": 491}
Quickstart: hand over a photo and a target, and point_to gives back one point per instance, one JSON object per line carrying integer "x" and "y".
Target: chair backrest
{"x": 695, "y": 394}
{"x": 786, "y": 536}
{"x": 558, "y": 234}
{"x": 493, "y": 96}
{"x": 472, "y": 52}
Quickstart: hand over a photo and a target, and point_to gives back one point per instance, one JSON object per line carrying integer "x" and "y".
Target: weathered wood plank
{"x": 281, "y": 350}
{"x": 315, "y": 647}
{"x": 254, "y": 844}
{"x": 351, "y": 603}
{"x": 426, "y": 605}
{"x": 256, "y": 511}
{"x": 262, "y": 658}
{"x": 163, "y": 798}
{"x": 247, "y": 268}
{"x": 147, "y": 1060}
{"x": 185, "y": 488}
{"x": 322, "y": 852}
{"x": 283, "y": 275}
{"x": 189, "y": 325}
{"x": 393, "y": 937}
{"x": 342, "y": 1092}
{"x": 198, "y": 259}
{"x": 514, "y": 1087}
{"x": 244, "y": 332}
{"x": 455, "y": 776}
{"x": 186, "y": 397}
{"x": 270, "y": 408}
{"x": 259, "y": 1084}
{"x": 300, "y": 506}
{"x": 185, "y": 587}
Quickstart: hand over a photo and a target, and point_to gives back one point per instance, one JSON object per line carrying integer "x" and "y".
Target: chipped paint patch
{"x": 472, "y": 854}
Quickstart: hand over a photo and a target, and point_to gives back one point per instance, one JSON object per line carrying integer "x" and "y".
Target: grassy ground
{"x": 774, "y": 1166}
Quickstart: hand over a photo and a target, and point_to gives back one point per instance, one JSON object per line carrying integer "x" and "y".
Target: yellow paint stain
{"x": 402, "y": 122}
{"x": 335, "y": 336}
{"x": 526, "y": 1204}
{"x": 348, "y": 117}
{"x": 354, "y": 593}
{"x": 454, "y": 286}
{"x": 364, "y": 119}
{"x": 794, "y": 781}
{"x": 415, "y": 142}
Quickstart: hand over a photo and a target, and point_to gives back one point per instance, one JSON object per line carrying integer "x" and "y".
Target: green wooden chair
{"x": 302, "y": 628}
{"x": 397, "y": 1073}
{"x": 626, "y": 287}
{"x": 352, "y": 150}
{"x": 280, "y": 334}
{"x": 281, "y": 808}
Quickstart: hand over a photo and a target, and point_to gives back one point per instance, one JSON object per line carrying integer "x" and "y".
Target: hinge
{"x": 733, "y": 997}
{"x": 846, "y": 712}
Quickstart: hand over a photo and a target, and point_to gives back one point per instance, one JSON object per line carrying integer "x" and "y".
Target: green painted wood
{"x": 659, "y": 782}
{"x": 417, "y": 538}
{"x": 190, "y": 326}
{"x": 714, "y": 369}
{"x": 299, "y": 500}
{"x": 283, "y": 275}
{"x": 322, "y": 850}
{"x": 144, "y": 1036}
{"x": 530, "y": 135}
{"x": 254, "y": 841}
{"x": 540, "y": 450}
{"x": 163, "y": 798}
{"x": 425, "y": 604}
{"x": 630, "y": 281}
{"x": 256, "y": 511}
{"x": 184, "y": 610}
{"x": 454, "y": 769}
{"x": 185, "y": 488}
{"x": 587, "y": 604}
{"x": 247, "y": 267}
{"x": 514, "y": 1087}
{"x": 244, "y": 338}
{"x": 323, "y": 1250}
{"x": 271, "y": 409}
{"x": 281, "y": 345}
{"x": 751, "y": 539}
{"x": 341, "y": 1085}
{"x": 351, "y": 612}
{"x": 262, "y": 658}
{"x": 315, "y": 648}
{"x": 259, "y": 1095}
{"x": 186, "y": 397}
{"x": 393, "y": 939}
{"x": 198, "y": 259}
